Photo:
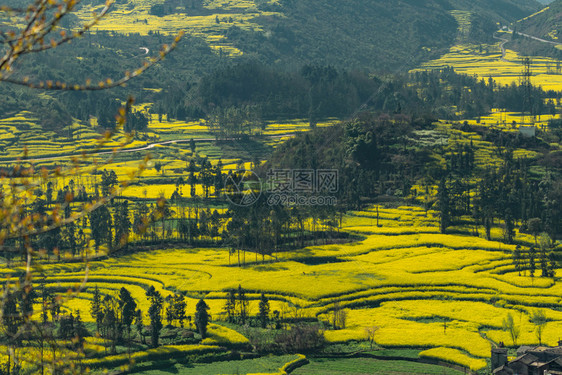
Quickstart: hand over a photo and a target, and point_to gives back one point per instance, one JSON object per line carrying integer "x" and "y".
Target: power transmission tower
{"x": 526, "y": 83}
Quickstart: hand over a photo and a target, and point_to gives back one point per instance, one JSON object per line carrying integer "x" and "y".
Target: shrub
{"x": 301, "y": 339}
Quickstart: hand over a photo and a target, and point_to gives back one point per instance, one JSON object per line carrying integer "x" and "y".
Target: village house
{"x": 530, "y": 360}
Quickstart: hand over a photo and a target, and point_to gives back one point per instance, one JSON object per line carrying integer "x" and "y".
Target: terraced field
{"x": 444, "y": 294}
{"x": 168, "y": 143}
{"x": 23, "y": 130}
{"x": 486, "y": 61}
{"x": 208, "y": 22}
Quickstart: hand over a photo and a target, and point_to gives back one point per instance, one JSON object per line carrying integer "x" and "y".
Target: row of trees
{"x": 239, "y": 98}
{"x": 544, "y": 259}
{"x": 262, "y": 228}
{"x": 59, "y": 330}
{"x": 475, "y": 97}
{"x": 237, "y": 309}
{"x": 508, "y": 193}
{"x": 114, "y": 316}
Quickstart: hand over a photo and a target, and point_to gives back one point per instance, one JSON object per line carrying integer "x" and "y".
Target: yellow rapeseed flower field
{"x": 454, "y": 356}
{"x": 486, "y": 61}
{"x": 445, "y": 292}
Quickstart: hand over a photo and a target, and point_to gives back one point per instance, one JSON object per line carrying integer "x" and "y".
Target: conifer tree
{"x": 230, "y": 306}
{"x": 532, "y": 265}
{"x": 128, "y": 308}
{"x": 179, "y": 308}
{"x": 243, "y": 304}
{"x": 155, "y": 314}
{"x": 264, "y": 310}
{"x": 202, "y": 317}
{"x": 122, "y": 224}
{"x": 444, "y": 208}
{"x": 139, "y": 325}
{"x": 96, "y": 308}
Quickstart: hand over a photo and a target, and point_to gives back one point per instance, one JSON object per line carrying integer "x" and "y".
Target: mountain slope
{"x": 376, "y": 34}
{"x": 498, "y": 10}
{"x": 379, "y": 34}
{"x": 547, "y": 25}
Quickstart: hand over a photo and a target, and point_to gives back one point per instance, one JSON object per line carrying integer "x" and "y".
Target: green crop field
{"x": 264, "y": 365}
{"x": 370, "y": 366}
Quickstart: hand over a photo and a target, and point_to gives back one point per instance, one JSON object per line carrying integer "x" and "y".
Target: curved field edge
{"x": 444, "y": 288}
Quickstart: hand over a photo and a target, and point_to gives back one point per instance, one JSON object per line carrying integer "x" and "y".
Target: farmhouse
{"x": 528, "y": 131}
{"x": 539, "y": 360}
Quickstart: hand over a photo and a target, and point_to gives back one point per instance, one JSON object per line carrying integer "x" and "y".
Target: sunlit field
{"x": 403, "y": 285}
{"x": 486, "y": 61}
{"x": 167, "y": 142}
{"x": 208, "y": 22}
{"x": 446, "y": 294}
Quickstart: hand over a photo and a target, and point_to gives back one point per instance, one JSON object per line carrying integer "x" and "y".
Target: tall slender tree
{"x": 128, "y": 308}
{"x": 155, "y": 314}
{"x": 264, "y": 310}
{"x": 202, "y": 317}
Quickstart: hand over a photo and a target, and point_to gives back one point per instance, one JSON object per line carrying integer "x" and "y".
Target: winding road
{"x": 504, "y": 41}
{"x": 502, "y": 46}
{"x": 536, "y": 38}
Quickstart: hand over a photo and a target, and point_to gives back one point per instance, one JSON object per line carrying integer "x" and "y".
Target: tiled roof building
{"x": 539, "y": 360}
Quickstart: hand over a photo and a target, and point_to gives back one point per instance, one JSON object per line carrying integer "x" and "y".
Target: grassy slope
{"x": 498, "y": 10}
{"x": 544, "y": 24}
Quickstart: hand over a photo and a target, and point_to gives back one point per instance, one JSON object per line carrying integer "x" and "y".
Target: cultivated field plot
{"x": 444, "y": 294}
{"x": 208, "y": 21}
{"x": 486, "y": 61}
{"x": 23, "y": 131}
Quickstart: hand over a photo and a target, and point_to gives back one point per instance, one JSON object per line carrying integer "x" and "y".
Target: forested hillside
{"x": 378, "y": 35}
{"x": 546, "y": 24}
